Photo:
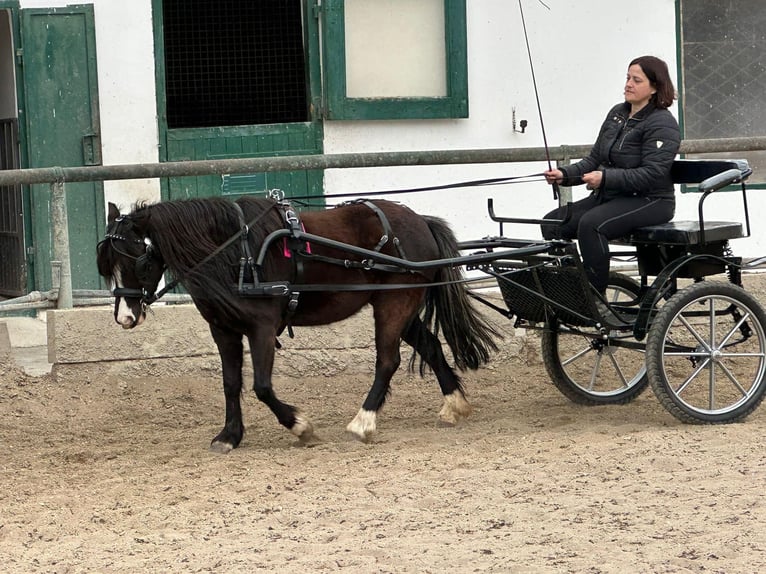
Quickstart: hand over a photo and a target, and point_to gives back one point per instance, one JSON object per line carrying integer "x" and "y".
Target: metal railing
{"x": 62, "y": 296}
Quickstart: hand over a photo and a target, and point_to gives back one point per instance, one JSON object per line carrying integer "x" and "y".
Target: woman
{"x": 628, "y": 170}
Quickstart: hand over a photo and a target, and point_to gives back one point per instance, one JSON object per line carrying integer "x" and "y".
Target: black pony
{"x": 205, "y": 244}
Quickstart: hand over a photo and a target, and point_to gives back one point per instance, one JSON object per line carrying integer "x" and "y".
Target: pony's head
{"x": 129, "y": 262}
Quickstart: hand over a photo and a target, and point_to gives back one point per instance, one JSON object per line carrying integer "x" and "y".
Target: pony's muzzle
{"x": 128, "y": 316}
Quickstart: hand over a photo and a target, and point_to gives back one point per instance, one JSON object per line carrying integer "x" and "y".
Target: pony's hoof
{"x": 455, "y": 408}
{"x": 366, "y": 438}
{"x": 304, "y": 430}
{"x": 219, "y": 447}
{"x": 363, "y": 427}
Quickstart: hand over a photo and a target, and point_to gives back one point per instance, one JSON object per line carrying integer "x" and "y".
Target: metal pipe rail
{"x": 57, "y": 176}
{"x": 338, "y": 161}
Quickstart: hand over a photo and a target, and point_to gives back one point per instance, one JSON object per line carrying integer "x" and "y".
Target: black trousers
{"x": 594, "y": 222}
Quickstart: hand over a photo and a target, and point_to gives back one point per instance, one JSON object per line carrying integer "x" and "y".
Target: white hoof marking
{"x": 363, "y": 426}
{"x": 303, "y": 429}
{"x": 455, "y": 407}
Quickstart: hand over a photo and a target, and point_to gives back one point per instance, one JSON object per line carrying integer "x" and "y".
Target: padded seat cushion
{"x": 685, "y": 233}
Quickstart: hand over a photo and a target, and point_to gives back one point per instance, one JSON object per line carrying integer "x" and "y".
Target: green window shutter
{"x": 340, "y": 106}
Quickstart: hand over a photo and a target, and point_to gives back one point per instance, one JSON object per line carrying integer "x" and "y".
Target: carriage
{"x": 698, "y": 343}
{"x": 686, "y": 327}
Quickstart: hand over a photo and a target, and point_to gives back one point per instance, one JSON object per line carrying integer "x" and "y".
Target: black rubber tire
{"x": 718, "y": 380}
{"x": 588, "y": 370}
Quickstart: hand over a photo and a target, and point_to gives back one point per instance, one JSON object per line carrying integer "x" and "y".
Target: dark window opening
{"x": 234, "y": 62}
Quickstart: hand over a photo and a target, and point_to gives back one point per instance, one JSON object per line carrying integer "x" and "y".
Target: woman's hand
{"x": 592, "y": 179}
{"x": 553, "y": 176}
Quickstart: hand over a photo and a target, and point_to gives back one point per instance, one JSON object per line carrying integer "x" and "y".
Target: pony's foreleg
{"x": 364, "y": 424}
{"x": 262, "y": 346}
{"x": 428, "y": 346}
{"x": 230, "y": 348}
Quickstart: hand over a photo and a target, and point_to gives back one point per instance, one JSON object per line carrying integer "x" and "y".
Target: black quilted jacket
{"x": 635, "y": 154}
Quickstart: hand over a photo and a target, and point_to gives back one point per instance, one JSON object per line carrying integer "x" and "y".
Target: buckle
{"x": 277, "y": 290}
{"x": 290, "y": 216}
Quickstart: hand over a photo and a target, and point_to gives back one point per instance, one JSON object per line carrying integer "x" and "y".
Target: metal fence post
{"x": 60, "y": 227}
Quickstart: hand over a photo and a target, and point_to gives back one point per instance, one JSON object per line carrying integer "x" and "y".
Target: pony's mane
{"x": 185, "y": 232}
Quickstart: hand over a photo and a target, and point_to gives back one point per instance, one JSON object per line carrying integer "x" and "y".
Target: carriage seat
{"x": 711, "y": 176}
{"x": 686, "y": 232}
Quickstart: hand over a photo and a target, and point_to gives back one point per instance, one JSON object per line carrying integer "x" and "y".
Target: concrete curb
{"x": 85, "y": 343}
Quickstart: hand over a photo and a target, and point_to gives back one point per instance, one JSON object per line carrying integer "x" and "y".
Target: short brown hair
{"x": 656, "y": 71}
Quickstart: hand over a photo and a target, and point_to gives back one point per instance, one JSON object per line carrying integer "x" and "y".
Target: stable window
{"x": 724, "y": 74}
{"x": 395, "y": 59}
{"x": 233, "y": 62}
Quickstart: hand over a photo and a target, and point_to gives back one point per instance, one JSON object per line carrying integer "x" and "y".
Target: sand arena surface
{"x": 113, "y": 477}
{"x": 107, "y": 475}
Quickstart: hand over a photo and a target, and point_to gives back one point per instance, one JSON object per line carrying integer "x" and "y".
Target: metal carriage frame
{"x": 699, "y": 343}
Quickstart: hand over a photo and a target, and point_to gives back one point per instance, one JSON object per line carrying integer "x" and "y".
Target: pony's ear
{"x": 114, "y": 213}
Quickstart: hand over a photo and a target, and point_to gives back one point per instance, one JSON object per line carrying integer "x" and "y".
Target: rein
{"x": 472, "y": 183}
{"x": 283, "y": 288}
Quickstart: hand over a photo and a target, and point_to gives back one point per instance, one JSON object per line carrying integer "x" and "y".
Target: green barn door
{"x": 61, "y": 114}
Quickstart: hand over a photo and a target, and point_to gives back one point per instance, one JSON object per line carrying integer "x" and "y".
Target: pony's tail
{"x": 448, "y": 308}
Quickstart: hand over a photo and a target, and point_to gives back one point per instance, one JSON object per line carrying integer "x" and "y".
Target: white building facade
{"x": 407, "y": 75}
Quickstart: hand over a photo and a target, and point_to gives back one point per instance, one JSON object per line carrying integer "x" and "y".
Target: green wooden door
{"x": 61, "y": 114}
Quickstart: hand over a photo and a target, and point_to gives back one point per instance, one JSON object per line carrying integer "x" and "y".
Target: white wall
{"x": 126, "y": 83}
{"x": 580, "y": 52}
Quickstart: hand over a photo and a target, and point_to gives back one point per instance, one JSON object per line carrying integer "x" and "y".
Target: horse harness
{"x": 251, "y": 283}
{"x": 300, "y": 247}
{"x": 297, "y": 249}
{"x": 144, "y": 267}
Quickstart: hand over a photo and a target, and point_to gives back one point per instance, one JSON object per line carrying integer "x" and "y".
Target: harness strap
{"x": 387, "y": 231}
{"x": 366, "y": 264}
{"x": 285, "y": 288}
{"x": 294, "y": 244}
{"x": 246, "y": 263}
{"x": 297, "y": 247}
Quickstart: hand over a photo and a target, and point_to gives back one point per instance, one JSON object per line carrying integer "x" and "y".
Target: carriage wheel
{"x": 706, "y": 353}
{"x": 589, "y": 369}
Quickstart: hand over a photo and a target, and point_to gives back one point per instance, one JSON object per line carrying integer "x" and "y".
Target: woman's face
{"x": 638, "y": 88}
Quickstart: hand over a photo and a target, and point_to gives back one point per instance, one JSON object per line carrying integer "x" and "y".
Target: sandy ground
{"x": 109, "y": 476}
{"x": 106, "y": 476}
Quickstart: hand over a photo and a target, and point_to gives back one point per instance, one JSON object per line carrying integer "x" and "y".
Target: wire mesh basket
{"x": 540, "y": 293}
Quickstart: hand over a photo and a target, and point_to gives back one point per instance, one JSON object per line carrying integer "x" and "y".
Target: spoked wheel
{"x": 706, "y": 353}
{"x": 589, "y": 369}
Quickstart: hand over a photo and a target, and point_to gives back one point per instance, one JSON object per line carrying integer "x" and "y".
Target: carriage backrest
{"x": 709, "y": 176}
{"x": 698, "y": 171}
